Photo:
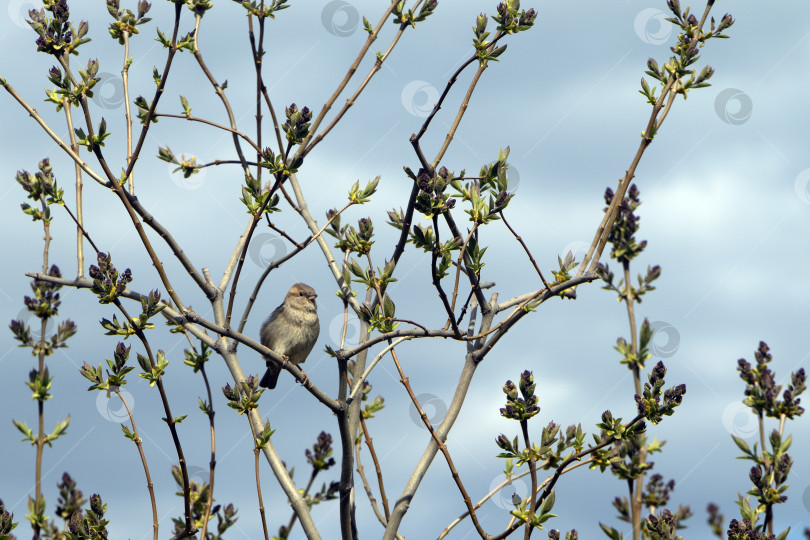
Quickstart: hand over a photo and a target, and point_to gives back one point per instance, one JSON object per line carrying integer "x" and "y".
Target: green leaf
{"x": 23, "y": 428}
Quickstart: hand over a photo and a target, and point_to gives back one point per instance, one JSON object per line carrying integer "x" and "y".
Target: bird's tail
{"x": 270, "y": 377}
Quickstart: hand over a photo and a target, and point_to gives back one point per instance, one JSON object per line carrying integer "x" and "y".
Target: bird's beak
{"x": 312, "y": 296}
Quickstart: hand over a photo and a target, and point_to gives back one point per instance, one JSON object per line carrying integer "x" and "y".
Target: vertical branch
{"x": 348, "y": 527}
{"x": 40, "y": 442}
{"x": 128, "y": 114}
{"x": 220, "y": 93}
{"x": 258, "y": 54}
{"x": 258, "y": 481}
{"x": 170, "y": 421}
{"x": 79, "y": 212}
{"x": 279, "y": 470}
{"x": 150, "y": 115}
{"x": 437, "y": 283}
{"x": 137, "y": 440}
{"x": 439, "y": 441}
{"x": 636, "y": 494}
{"x": 377, "y": 469}
{"x": 261, "y": 89}
{"x": 475, "y": 281}
{"x": 524, "y": 426}
{"x": 630, "y": 301}
{"x": 458, "y": 265}
{"x": 212, "y": 462}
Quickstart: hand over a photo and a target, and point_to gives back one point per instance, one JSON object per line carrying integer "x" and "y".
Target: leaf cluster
{"x": 200, "y": 494}
{"x": 654, "y": 403}
{"x": 114, "y": 378}
{"x": 42, "y": 188}
{"x": 57, "y": 35}
{"x": 402, "y": 16}
{"x": 762, "y": 392}
{"x": 244, "y": 396}
{"x": 107, "y": 284}
{"x": 126, "y": 22}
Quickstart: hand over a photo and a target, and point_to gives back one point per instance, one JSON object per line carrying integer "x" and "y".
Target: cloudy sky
{"x": 726, "y": 210}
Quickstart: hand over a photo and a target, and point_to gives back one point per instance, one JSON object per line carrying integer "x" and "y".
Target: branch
{"x": 219, "y": 92}
{"x": 525, "y": 248}
{"x": 451, "y": 317}
{"x": 297, "y": 501}
{"x": 234, "y": 131}
{"x": 462, "y": 387}
{"x": 442, "y": 446}
{"x": 150, "y": 115}
{"x": 169, "y": 313}
{"x": 507, "y": 481}
{"x": 342, "y": 85}
{"x": 358, "y": 383}
{"x": 374, "y": 69}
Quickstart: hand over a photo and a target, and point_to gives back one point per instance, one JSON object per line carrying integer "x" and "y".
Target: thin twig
{"x": 440, "y": 442}
{"x": 137, "y": 439}
{"x": 508, "y": 481}
{"x": 258, "y": 481}
{"x": 349, "y": 74}
{"x": 525, "y": 248}
{"x": 351, "y": 101}
{"x": 150, "y": 115}
{"x": 212, "y": 462}
{"x": 458, "y": 264}
{"x": 234, "y": 131}
{"x": 127, "y": 111}
{"x": 170, "y": 421}
{"x": 367, "y": 487}
{"x": 219, "y": 92}
{"x": 357, "y": 384}
{"x": 377, "y": 469}
{"x": 437, "y": 281}
{"x": 524, "y": 427}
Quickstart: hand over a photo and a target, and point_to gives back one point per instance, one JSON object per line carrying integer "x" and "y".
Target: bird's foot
{"x": 305, "y": 377}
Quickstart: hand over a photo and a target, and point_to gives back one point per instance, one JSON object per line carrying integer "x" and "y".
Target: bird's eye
{"x": 300, "y": 293}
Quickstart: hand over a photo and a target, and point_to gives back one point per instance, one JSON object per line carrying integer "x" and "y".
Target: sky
{"x": 725, "y": 210}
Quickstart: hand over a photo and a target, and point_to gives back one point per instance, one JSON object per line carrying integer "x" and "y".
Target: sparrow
{"x": 291, "y": 330}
